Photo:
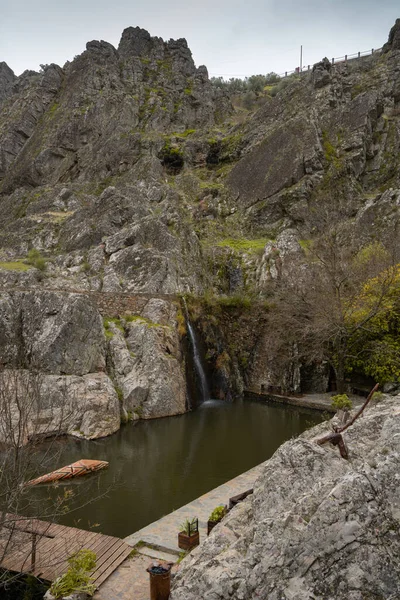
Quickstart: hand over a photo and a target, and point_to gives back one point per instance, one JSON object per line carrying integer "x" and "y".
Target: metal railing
{"x": 334, "y": 61}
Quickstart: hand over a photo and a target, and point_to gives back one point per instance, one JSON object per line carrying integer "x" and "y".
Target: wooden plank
{"x": 59, "y": 564}
{"x": 105, "y": 574}
{"x": 108, "y": 559}
{"x": 56, "y": 543}
{"x": 73, "y": 544}
{"x": 52, "y": 553}
{"x": 107, "y": 556}
{"x": 27, "y": 525}
{"x": 19, "y": 559}
{"x": 102, "y": 546}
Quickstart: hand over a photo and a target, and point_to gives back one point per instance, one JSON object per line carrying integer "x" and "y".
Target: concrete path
{"x": 163, "y": 534}
{"x": 129, "y": 582}
{"x": 159, "y": 540}
{"x": 321, "y": 402}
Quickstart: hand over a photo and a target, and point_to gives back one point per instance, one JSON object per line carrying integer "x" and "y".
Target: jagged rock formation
{"x": 62, "y": 337}
{"x": 317, "y": 526}
{"x": 130, "y": 172}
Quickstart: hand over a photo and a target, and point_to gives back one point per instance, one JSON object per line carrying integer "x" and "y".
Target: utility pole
{"x": 301, "y": 58}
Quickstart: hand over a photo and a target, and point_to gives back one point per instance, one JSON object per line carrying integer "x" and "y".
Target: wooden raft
{"x": 44, "y": 548}
{"x": 76, "y": 469}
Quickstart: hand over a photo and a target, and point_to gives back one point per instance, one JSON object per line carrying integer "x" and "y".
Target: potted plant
{"x": 189, "y": 536}
{"x": 216, "y": 516}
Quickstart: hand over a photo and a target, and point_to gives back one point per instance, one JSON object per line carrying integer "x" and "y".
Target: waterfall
{"x": 205, "y": 392}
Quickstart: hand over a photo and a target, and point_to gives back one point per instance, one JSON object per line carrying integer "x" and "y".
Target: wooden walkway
{"x": 43, "y": 548}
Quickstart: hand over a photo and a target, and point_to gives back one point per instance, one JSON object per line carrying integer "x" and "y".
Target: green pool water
{"x": 157, "y": 466}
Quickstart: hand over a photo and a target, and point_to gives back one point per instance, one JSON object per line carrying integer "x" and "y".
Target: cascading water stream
{"x": 205, "y": 392}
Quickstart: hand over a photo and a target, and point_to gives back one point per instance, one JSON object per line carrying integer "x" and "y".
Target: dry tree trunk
{"x": 336, "y": 437}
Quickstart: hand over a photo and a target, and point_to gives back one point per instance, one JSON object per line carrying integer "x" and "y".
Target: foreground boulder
{"x": 317, "y": 527}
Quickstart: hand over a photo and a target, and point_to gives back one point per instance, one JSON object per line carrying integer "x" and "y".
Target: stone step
{"x": 163, "y": 534}
{"x": 157, "y": 554}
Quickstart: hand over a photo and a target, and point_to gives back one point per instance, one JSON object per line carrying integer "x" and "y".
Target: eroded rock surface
{"x": 130, "y": 171}
{"x": 56, "y": 333}
{"x": 148, "y": 363}
{"x": 85, "y": 406}
{"x": 91, "y": 378}
{"x": 317, "y": 526}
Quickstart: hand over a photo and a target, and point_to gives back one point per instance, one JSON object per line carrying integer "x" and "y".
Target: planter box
{"x": 211, "y": 525}
{"x": 187, "y": 542}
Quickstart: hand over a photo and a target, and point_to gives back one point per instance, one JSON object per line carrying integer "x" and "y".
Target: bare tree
{"x": 328, "y": 300}
{"x": 28, "y": 415}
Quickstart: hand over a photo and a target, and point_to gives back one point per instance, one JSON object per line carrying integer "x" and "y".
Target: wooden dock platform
{"x": 43, "y": 549}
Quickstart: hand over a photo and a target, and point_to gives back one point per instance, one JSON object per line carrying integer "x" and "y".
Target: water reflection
{"x": 157, "y": 466}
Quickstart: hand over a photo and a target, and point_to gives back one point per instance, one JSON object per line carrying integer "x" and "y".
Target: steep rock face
{"x": 147, "y": 362}
{"x": 277, "y": 162}
{"x": 7, "y": 79}
{"x": 21, "y": 116}
{"x": 130, "y": 172}
{"x": 58, "y": 333}
{"x": 393, "y": 42}
{"x": 107, "y": 98}
{"x": 84, "y": 406}
{"x": 317, "y": 526}
{"x": 61, "y": 337}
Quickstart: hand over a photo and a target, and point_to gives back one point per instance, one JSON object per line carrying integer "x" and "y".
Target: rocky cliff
{"x": 127, "y": 171}
{"x": 317, "y": 526}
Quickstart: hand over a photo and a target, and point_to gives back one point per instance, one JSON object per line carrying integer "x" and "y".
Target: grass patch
{"x": 244, "y": 245}
{"x": 184, "y": 134}
{"x": 236, "y": 301}
{"x": 142, "y": 320}
{"x": 106, "y": 324}
{"x": 15, "y": 266}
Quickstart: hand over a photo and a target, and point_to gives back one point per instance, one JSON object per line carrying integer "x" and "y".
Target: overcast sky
{"x": 231, "y": 37}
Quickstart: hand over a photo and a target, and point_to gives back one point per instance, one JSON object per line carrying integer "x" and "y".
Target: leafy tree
{"x": 271, "y": 78}
{"x": 377, "y": 352}
{"x": 254, "y": 83}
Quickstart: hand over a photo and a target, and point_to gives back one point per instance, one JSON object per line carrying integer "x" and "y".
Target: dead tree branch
{"x": 336, "y": 438}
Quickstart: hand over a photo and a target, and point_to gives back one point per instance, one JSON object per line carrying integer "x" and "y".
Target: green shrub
{"x": 171, "y": 157}
{"x": 35, "y": 259}
{"x": 217, "y": 513}
{"x": 377, "y": 397}
{"x": 77, "y": 578}
{"x": 341, "y": 401}
{"x": 85, "y": 267}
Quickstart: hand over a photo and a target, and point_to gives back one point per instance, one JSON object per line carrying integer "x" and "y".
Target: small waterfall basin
{"x": 158, "y": 466}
